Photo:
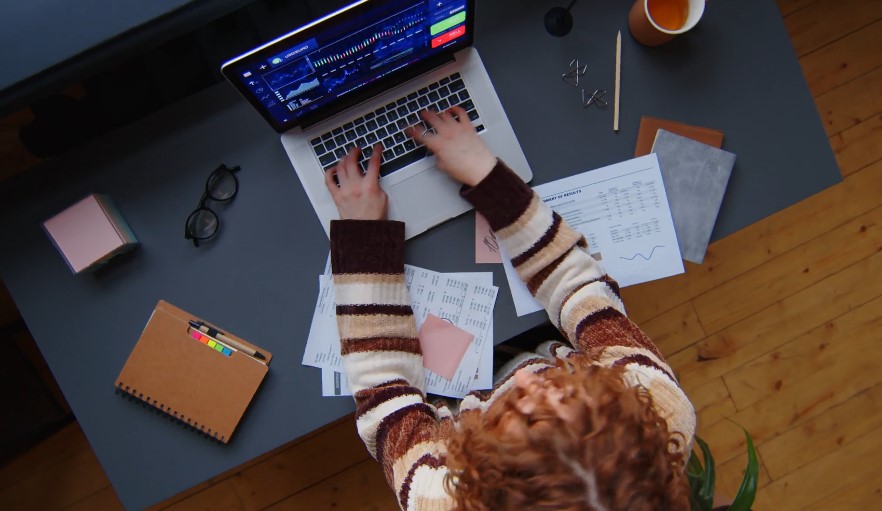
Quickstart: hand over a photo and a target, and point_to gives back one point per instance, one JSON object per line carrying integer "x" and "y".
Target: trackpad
{"x": 427, "y": 198}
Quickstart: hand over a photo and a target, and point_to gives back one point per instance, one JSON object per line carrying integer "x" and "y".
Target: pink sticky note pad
{"x": 486, "y": 246}
{"x": 443, "y": 345}
{"x": 85, "y": 234}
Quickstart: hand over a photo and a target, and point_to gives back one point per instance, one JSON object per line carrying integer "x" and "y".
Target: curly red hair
{"x": 595, "y": 444}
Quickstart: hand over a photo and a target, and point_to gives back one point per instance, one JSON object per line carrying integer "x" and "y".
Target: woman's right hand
{"x": 459, "y": 150}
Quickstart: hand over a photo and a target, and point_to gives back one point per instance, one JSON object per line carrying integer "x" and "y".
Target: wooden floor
{"x": 779, "y": 332}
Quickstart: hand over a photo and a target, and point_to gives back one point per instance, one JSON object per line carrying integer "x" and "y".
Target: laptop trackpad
{"x": 429, "y": 197}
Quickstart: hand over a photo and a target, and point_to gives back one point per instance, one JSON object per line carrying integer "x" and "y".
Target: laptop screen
{"x": 349, "y": 56}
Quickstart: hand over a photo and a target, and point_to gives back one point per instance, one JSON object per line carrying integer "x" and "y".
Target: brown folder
{"x": 194, "y": 381}
{"x": 649, "y": 126}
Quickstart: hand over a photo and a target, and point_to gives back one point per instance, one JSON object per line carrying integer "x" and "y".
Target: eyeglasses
{"x": 221, "y": 186}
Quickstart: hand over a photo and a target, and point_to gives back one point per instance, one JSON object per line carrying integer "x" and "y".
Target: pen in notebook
{"x": 217, "y": 334}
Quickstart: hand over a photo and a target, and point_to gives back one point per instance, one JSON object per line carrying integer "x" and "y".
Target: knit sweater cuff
{"x": 367, "y": 246}
{"x": 501, "y": 196}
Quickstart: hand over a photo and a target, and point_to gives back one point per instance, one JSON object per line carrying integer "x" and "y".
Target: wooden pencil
{"x": 618, "y": 80}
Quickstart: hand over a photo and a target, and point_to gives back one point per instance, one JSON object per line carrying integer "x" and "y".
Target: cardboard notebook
{"x": 204, "y": 378}
{"x": 649, "y": 127}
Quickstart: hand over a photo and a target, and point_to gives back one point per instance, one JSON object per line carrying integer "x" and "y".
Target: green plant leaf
{"x": 694, "y": 473}
{"x": 747, "y": 492}
{"x": 706, "y": 491}
{"x": 693, "y": 466}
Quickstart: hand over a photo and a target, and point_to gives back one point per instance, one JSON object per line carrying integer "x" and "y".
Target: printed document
{"x": 466, "y": 300}
{"x": 623, "y": 212}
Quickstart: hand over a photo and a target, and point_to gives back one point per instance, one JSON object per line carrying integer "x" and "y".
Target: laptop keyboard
{"x": 387, "y": 123}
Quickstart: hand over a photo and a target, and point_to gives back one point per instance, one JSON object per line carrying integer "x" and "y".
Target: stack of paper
{"x": 454, "y": 318}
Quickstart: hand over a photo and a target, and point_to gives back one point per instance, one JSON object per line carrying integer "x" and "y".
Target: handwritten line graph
{"x": 638, "y": 254}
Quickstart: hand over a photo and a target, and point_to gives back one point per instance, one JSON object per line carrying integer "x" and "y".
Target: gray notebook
{"x": 695, "y": 177}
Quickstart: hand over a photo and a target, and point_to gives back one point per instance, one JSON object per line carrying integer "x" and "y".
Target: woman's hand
{"x": 460, "y": 151}
{"x": 358, "y": 197}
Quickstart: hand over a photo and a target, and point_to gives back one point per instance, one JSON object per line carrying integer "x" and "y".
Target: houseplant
{"x": 702, "y": 478}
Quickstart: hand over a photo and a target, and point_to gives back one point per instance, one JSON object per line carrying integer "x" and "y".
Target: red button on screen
{"x": 448, "y": 36}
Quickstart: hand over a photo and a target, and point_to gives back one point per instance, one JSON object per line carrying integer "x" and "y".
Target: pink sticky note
{"x": 486, "y": 245}
{"x": 443, "y": 345}
{"x": 88, "y": 233}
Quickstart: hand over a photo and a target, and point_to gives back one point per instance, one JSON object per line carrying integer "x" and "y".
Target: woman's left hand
{"x": 358, "y": 196}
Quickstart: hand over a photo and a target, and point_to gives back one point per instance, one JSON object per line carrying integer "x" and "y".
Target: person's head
{"x": 568, "y": 438}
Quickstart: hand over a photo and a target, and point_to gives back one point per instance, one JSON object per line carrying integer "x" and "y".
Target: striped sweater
{"x": 381, "y": 352}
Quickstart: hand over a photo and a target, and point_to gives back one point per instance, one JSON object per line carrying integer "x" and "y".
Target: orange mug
{"x": 655, "y": 22}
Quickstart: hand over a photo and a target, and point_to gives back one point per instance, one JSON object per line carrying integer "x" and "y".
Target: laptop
{"x": 359, "y": 76}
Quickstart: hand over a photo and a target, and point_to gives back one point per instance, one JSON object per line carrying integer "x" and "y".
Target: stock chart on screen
{"x": 341, "y": 60}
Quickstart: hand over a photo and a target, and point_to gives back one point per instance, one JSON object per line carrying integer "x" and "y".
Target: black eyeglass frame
{"x": 221, "y": 170}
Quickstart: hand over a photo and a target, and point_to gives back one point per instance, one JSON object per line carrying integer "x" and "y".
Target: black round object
{"x": 558, "y": 21}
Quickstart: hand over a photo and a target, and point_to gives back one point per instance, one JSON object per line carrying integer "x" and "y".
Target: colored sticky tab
{"x": 443, "y": 345}
{"x": 218, "y": 347}
{"x": 199, "y": 337}
{"x": 211, "y": 344}
{"x": 227, "y": 351}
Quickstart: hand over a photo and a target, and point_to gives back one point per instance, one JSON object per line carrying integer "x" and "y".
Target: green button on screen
{"x": 452, "y": 21}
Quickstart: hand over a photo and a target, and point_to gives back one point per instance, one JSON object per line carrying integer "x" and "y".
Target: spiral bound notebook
{"x": 192, "y": 371}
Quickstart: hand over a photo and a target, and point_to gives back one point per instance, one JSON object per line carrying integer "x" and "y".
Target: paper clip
{"x": 571, "y": 77}
{"x": 595, "y": 98}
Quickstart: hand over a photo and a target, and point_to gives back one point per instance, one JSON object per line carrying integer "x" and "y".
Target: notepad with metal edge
{"x": 695, "y": 176}
{"x": 194, "y": 377}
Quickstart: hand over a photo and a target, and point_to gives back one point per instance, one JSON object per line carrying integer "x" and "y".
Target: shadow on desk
{"x": 31, "y": 399}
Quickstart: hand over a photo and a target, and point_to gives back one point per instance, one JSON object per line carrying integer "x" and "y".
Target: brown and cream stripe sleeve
{"x": 580, "y": 299}
{"x": 382, "y": 358}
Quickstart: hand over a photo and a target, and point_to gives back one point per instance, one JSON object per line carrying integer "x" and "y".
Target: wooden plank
{"x": 104, "y": 500}
{"x": 865, "y": 494}
{"x": 715, "y": 412}
{"x": 712, "y": 402}
{"x": 851, "y": 104}
{"x": 852, "y": 463}
{"x": 844, "y": 60}
{"x": 675, "y": 329}
{"x": 750, "y": 247}
{"x": 221, "y": 495}
{"x": 69, "y": 441}
{"x": 250, "y": 463}
{"x": 791, "y": 272}
{"x": 57, "y": 485}
{"x": 300, "y": 467}
{"x": 361, "y": 487}
{"x": 798, "y": 359}
{"x": 857, "y": 147}
{"x": 778, "y": 324}
{"x": 789, "y": 6}
{"x": 822, "y": 22}
{"x": 858, "y": 416}
{"x": 796, "y": 405}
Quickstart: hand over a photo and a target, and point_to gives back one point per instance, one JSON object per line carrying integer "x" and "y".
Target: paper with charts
{"x": 623, "y": 212}
{"x": 465, "y": 300}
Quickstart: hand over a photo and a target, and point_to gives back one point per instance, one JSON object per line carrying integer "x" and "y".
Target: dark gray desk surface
{"x": 736, "y": 72}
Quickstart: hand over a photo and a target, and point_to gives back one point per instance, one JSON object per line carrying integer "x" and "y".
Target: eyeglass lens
{"x": 221, "y": 185}
{"x": 202, "y": 223}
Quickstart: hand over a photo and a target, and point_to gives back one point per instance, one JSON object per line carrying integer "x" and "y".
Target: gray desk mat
{"x": 259, "y": 278}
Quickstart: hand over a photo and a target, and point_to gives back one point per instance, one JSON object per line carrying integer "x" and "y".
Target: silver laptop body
{"x": 419, "y": 194}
